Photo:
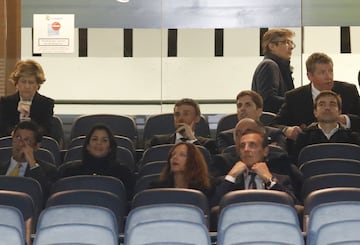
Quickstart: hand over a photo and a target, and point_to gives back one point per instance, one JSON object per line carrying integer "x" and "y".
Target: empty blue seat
{"x": 261, "y": 232}
{"x": 255, "y": 211}
{"x": 345, "y": 232}
{"x": 10, "y": 235}
{"x": 78, "y": 214}
{"x": 168, "y": 232}
{"x": 328, "y": 213}
{"x": 11, "y": 216}
{"x": 75, "y": 234}
{"x": 166, "y": 211}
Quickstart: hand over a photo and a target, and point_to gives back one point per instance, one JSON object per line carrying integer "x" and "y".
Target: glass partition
{"x": 145, "y": 54}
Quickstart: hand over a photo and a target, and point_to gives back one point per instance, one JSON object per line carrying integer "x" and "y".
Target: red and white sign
{"x": 54, "y": 33}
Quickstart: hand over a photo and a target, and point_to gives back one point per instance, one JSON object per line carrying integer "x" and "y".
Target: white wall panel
{"x": 196, "y": 43}
{"x": 241, "y": 42}
{"x": 321, "y": 39}
{"x": 105, "y": 42}
{"x": 147, "y": 42}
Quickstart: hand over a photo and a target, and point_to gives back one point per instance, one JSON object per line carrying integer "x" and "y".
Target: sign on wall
{"x": 53, "y": 33}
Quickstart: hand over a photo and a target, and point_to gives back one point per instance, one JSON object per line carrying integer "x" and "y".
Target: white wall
{"x": 106, "y": 75}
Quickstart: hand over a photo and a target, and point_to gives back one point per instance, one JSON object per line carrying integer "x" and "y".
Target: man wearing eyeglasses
{"x": 273, "y": 76}
{"x": 26, "y": 139}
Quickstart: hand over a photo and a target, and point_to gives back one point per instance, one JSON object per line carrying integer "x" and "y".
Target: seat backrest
{"x": 256, "y": 211}
{"x": 226, "y": 122}
{"x": 5, "y": 153}
{"x": 12, "y": 216}
{"x": 329, "y": 150}
{"x": 57, "y": 130}
{"x": 70, "y": 234}
{"x": 164, "y": 124}
{"x": 171, "y": 195}
{"x": 91, "y": 197}
{"x": 155, "y": 153}
{"x": 10, "y": 235}
{"x": 339, "y": 233}
{"x": 46, "y": 156}
{"x": 261, "y": 232}
{"x": 119, "y": 125}
{"x": 329, "y": 195}
{"x": 161, "y": 153}
{"x": 329, "y": 213}
{"x": 207, "y": 155}
{"x": 52, "y": 145}
{"x": 267, "y": 117}
{"x": 91, "y": 182}
{"x": 329, "y": 165}
{"x": 144, "y": 182}
{"x": 168, "y": 232}
{"x": 6, "y": 141}
{"x": 165, "y": 211}
{"x": 323, "y": 181}
{"x": 27, "y": 185}
{"x": 25, "y": 204}
{"x": 243, "y": 196}
{"x": 154, "y": 167}
{"x": 73, "y": 154}
{"x": 230, "y": 150}
{"x": 77, "y": 214}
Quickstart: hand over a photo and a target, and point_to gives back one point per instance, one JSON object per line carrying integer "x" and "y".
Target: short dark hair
{"x": 317, "y": 58}
{"x": 259, "y": 132}
{"x": 190, "y": 102}
{"x": 328, "y": 93}
{"x": 258, "y": 100}
{"x": 32, "y": 126}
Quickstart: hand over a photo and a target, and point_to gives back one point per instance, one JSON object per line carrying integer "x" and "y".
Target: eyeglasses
{"x": 288, "y": 43}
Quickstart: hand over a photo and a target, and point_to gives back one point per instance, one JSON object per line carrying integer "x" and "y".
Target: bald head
{"x": 245, "y": 124}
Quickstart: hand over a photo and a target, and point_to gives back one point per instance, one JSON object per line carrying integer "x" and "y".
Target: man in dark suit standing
{"x": 186, "y": 116}
{"x": 26, "y": 140}
{"x": 297, "y": 111}
{"x": 26, "y": 103}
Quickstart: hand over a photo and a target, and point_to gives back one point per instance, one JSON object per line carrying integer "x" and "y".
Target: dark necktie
{"x": 252, "y": 183}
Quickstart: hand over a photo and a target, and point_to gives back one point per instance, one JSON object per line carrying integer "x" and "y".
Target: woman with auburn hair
{"x": 26, "y": 103}
{"x": 186, "y": 168}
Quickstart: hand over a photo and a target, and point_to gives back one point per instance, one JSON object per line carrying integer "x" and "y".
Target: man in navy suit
{"x": 26, "y": 103}
{"x": 26, "y": 140}
{"x": 252, "y": 172}
{"x": 297, "y": 111}
{"x": 186, "y": 116}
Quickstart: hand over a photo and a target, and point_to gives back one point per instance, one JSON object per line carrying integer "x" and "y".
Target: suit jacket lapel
{"x": 3, "y": 167}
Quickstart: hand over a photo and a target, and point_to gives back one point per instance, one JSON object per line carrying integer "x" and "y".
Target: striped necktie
{"x": 15, "y": 171}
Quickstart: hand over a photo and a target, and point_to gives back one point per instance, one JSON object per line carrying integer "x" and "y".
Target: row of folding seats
{"x": 246, "y": 217}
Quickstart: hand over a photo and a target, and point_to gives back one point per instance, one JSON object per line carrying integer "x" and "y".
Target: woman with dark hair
{"x": 99, "y": 158}
{"x": 186, "y": 168}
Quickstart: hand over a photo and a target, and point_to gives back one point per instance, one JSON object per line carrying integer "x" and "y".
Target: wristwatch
{"x": 271, "y": 182}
